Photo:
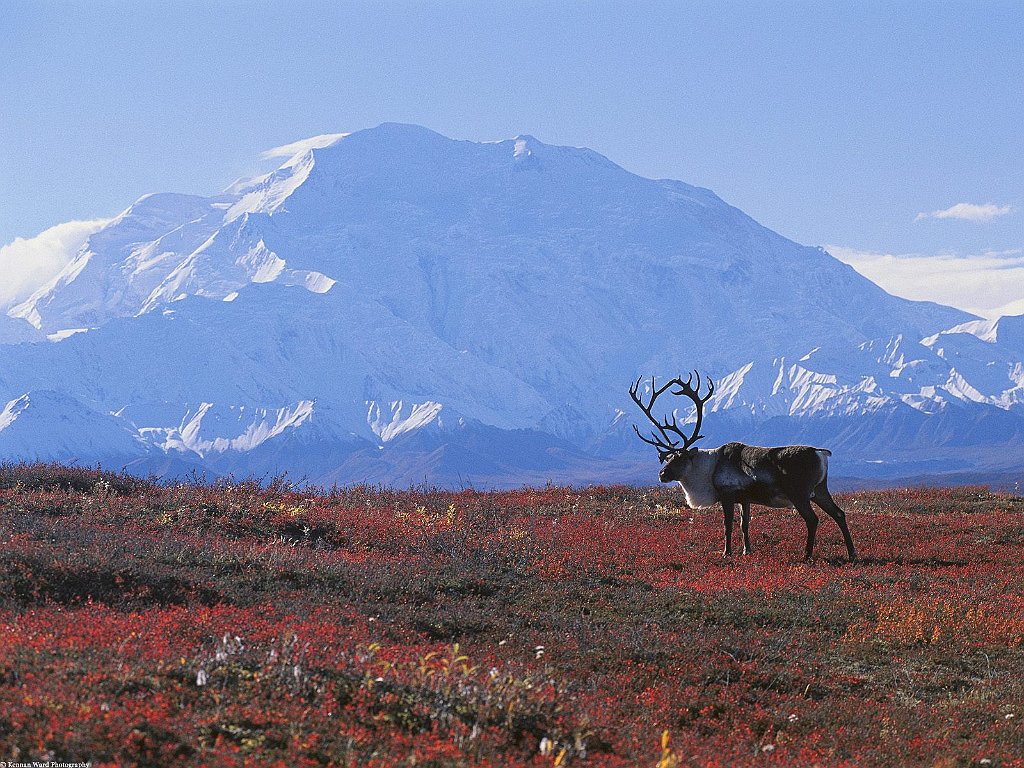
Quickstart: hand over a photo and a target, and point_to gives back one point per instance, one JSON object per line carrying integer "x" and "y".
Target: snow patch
{"x": 986, "y": 330}
{"x": 727, "y": 389}
{"x": 926, "y": 401}
{"x": 262, "y": 430}
{"x": 314, "y": 282}
{"x": 268, "y": 193}
{"x": 66, "y": 333}
{"x": 809, "y": 355}
{"x": 958, "y": 387}
{"x": 522, "y": 148}
{"x": 12, "y": 411}
{"x": 396, "y": 419}
{"x": 261, "y": 264}
{"x": 264, "y": 425}
{"x": 270, "y": 270}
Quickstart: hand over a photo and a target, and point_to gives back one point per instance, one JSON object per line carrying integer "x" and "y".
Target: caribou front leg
{"x": 745, "y": 526}
{"x": 729, "y": 509}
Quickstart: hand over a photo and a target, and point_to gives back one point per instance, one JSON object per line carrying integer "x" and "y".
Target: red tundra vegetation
{"x": 231, "y": 624}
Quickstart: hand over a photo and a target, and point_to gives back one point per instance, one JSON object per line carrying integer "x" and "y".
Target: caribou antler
{"x": 665, "y": 444}
{"x": 693, "y": 393}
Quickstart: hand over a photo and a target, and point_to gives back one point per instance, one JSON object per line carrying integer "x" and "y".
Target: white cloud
{"x": 297, "y": 147}
{"x": 988, "y": 284}
{"x": 27, "y": 264}
{"x": 968, "y": 212}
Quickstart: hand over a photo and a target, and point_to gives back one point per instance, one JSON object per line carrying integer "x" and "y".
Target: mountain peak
{"x": 409, "y": 130}
{"x": 395, "y": 136}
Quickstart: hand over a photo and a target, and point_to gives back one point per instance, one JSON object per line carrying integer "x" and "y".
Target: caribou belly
{"x": 734, "y": 485}
{"x": 766, "y": 498}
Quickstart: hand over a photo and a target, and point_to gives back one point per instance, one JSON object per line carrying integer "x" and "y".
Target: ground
{"x": 232, "y": 624}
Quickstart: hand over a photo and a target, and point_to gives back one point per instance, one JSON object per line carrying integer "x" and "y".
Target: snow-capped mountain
{"x": 394, "y": 306}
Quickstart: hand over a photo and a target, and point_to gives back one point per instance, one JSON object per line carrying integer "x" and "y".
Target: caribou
{"x": 790, "y": 476}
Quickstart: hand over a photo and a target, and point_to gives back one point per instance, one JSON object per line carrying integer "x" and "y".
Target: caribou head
{"x": 675, "y": 449}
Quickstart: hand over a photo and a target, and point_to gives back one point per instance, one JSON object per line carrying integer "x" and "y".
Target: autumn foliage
{"x": 233, "y": 624}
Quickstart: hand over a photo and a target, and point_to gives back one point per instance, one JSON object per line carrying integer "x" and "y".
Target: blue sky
{"x": 857, "y": 125}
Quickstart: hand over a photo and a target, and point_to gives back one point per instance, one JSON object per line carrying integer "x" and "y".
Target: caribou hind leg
{"x": 803, "y": 506}
{"x": 745, "y": 527}
{"x": 824, "y": 500}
